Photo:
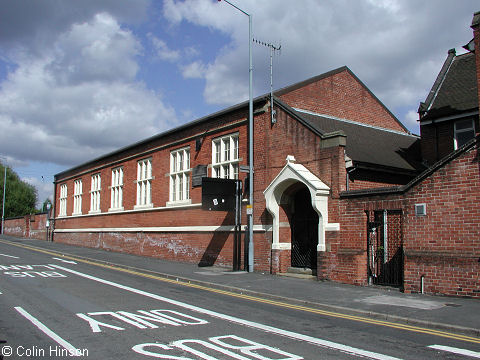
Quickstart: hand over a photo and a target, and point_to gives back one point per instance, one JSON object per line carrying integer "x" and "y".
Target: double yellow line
{"x": 282, "y": 304}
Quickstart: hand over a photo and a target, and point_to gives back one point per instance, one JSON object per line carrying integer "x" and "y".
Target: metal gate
{"x": 304, "y": 227}
{"x": 385, "y": 247}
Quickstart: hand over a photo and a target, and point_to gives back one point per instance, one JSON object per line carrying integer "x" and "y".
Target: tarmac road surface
{"x": 59, "y": 307}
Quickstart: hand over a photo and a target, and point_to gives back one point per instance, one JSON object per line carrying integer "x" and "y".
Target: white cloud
{"x": 411, "y": 121}
{"x": 91, "y": 51}
{"x": 44, "y": 189}
{"x": 194, "y": 70}
{"x": 37, "y": 24}
{"x": 162, "y": 50}
{"x": 395, "y": 47}
{"x": 81, "y": 98}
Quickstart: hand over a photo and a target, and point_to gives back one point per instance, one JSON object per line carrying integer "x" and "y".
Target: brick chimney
{"x": 476, "y": 36}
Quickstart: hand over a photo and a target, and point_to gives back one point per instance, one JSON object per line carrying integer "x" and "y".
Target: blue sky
{"x": 79, "y": 79}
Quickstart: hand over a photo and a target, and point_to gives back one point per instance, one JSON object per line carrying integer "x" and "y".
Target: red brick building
{"x": 141, "y": 199}
{"x": 425, "y": 235}
{"x": 339, "y": 190}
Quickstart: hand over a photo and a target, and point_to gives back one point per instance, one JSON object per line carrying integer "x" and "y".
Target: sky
{"x": 79, "y": 79}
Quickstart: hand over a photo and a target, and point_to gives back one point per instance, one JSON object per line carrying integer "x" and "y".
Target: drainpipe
{"x": 53, "y": 210}
{"x": 422, "y": 284}
{"x": 349, "y": 171}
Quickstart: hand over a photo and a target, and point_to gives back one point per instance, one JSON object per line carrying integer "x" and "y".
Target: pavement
{"x": 451, "y": 314}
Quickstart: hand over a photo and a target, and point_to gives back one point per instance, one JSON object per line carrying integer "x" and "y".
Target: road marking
{"x": 456, "y": 350}
{"x": 218, "y": 344}
{"x": 73, "y": 351}
{"x": 290, "y": 306}
{"x": 34, "y": 274}
{"x": 232, "y": 319}
{"x": 165, "y": 278}
{"x": 10, "y": 256}
{"x": 65, "y": 261}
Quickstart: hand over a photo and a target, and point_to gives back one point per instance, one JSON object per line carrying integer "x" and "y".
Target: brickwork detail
{"x": 342, "y": 95}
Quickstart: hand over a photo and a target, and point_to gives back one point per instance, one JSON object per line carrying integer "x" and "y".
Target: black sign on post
{"x": 218, "y": 194}
{"x": 225, "y": 195}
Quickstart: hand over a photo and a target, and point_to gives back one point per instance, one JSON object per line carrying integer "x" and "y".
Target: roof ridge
{"x": 438, "y": 81}
{"x": 356, "y": 123}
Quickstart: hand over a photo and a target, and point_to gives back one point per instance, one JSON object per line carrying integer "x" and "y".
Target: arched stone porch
{"x": 295, "y": 176}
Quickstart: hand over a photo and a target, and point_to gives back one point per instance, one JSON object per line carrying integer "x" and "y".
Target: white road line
{"x": 65, "y": 344}
{"x": 251, "y": 324}
{"x": 65, "y": 261}
{"x": 10, "y": 256}
{"x": 456, "y": 351}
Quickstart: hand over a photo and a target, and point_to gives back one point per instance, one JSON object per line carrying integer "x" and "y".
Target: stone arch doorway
{"x": 292, "y": 185}
{"x": 304, "y": 230}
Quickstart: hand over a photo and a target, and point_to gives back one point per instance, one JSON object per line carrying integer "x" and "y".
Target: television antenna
{"x": 272, "y": 48}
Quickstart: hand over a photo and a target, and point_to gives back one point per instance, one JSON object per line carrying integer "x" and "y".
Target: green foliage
{"x": 20, "y": 197}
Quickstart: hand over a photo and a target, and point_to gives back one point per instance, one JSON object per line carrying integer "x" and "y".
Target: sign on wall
{"x": 218, "y": 194}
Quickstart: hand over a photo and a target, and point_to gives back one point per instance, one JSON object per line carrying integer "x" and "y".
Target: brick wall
{"x": 442, "y": 247}
{"x": 341, "y": 94}
{"x": 30, "y": 226}
{"x": 15, "y": 227}
{"x": 272, "y": 145}
{"x": 192, "y": 246}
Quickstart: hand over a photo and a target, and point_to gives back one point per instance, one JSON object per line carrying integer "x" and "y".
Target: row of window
{"x": 225, "y": 164}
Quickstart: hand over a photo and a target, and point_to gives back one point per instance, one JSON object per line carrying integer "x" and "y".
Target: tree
{"x": 20, "y": 197}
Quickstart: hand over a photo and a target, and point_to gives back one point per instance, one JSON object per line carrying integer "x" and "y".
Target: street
{"x": 58, "y": 307}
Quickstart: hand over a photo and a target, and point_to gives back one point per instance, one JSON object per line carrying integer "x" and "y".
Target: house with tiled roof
{"x": 449, "y": 115}
{"x": 424, "y": 235}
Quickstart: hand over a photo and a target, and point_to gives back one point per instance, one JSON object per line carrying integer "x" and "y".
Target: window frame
{"x": 144, "y": 183}
{"x": 116, "y": 189}
{"x": 62, "y": 211}
{"x": 460, "y": 131}
{"x": 95, "y": 193}
{"x": 180, "y": 176}
{"x": 77, "y": 196}
{"x": 225, "y": 156}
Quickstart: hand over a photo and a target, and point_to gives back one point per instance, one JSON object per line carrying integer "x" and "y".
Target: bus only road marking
{"x": 236, "y": 320}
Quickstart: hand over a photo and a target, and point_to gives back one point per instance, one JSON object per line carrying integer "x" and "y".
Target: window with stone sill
{"x": 95, "y": 191}
{"x": 62, "y": 211}
{"x": 180, "y": 176}
{"x": 144, "y": 183}
{"x": 116, "y": 190}
{"x": 225, "y": 160}
{"x": 77, "y": 197}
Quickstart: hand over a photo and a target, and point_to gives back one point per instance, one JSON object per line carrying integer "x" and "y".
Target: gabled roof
{"x": 395, "y": 146}
{"x": 422, "y": 176}
{"x": 455, "y": 90}
{"x": 368, "y": 144}
{"x": 331, "y": 73}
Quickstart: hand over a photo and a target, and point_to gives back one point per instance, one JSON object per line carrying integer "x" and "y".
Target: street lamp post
{"x": 3, "y": 203}
{"x": 250, "y": 139}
